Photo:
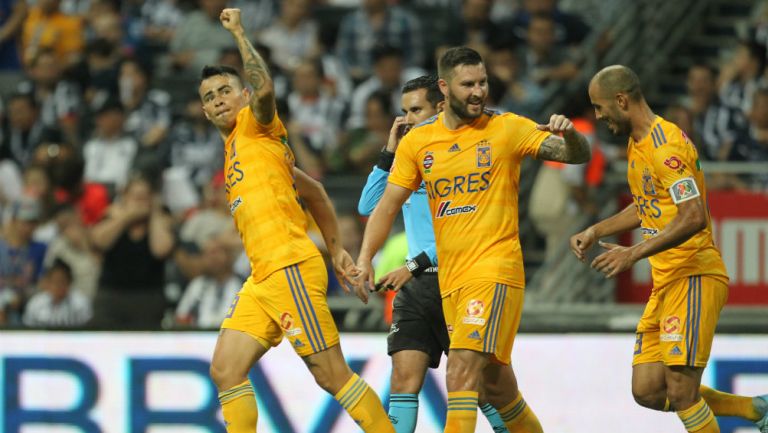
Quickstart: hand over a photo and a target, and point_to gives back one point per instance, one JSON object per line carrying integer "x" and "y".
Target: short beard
{"x": 460, "y": 108}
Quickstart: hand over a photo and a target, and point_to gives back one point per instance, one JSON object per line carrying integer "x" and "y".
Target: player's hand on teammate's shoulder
{"x": 557, "y": 124}
{"x": 394, "y": 280}
{"x": 396, "y": 133}
{"x": 581, "y": 242}
{"x": 230, "y": 19}
{"x": 614, "y": 261}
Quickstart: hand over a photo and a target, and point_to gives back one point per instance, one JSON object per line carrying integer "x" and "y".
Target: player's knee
{"x": 221, "y": 376}
{"x": 405, "y": 380}
{"x": 649, "y": 396}
{"x": 682, "y": 396}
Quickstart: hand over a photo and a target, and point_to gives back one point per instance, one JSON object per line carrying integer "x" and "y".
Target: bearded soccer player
{"x": 418, "y": 336}
{"x": 286, "y": 292}
{"x": 469, "y": 159}
{"x": 690, "y": 283}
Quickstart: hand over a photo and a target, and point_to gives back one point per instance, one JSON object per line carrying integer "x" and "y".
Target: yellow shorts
{"x": 291, "y": 301}
{"x": 679, "y": 321}
{"x": 484, "y": 317}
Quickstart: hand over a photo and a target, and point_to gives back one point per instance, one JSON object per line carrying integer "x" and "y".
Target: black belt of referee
{"x": 431, "y": 270}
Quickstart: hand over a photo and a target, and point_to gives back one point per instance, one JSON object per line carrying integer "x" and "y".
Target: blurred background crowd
{"x": 113, "y": 213}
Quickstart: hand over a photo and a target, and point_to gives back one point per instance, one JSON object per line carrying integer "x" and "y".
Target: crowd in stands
{"x": 111, "y": 191}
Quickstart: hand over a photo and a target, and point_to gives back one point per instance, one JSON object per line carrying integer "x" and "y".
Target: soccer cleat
{"x": 761, "y": 403}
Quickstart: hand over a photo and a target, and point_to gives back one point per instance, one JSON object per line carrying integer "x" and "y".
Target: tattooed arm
{"x": 571, "y": 148}
{"x": 256, "y": 70}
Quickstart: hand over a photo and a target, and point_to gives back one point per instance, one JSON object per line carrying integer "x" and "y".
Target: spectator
{"x": 60, "y": 100}
{"x": 12, "y": 16}
{"x": 25, "y": 131}
{"x": 97, "y": 73}
{"x": 199, "y": 38}
{"x": 740, "y": 77}
{"x": 751, "y": 143}
{"x": 59, "y": 304}
{"x": 135, "y": 239}
{"x": 519, "y": 94}
{"x": 47, "y": 27}
{"x": 315, "y": 120}
{"x": 366, "y": 143}
{"x": 474, "y": 27}
{"x": 21, "y": 258}
{"x": 158, "y": 19}
{"x": 256, "y": 14}
{"x": 195, "y": 145}
{"x": 148, "y": 110}
{"x": 377, "y": 23}
{"x": 109, "y": 154}
{"x": 65, "y": 167}
{"x": 570, "y": 29}
{"x": 292, "y": 38}
{"x": 72, "y": 247}
{"x": 207, "y": 297}
{"x": 714, "y": 124}
{"x": 389, "y": 77}
{"x": 543, "y": 59}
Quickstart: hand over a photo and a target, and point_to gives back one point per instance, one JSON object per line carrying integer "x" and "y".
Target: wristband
{"x": 386, "y": 158}
{"x": 418, "y": 264}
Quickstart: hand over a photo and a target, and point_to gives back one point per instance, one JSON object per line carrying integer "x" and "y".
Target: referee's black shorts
{"x": 417, "y": 319}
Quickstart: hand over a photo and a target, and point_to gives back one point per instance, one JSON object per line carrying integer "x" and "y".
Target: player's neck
{"x": 642, "y": 122}
{"x": 453, "y": 121}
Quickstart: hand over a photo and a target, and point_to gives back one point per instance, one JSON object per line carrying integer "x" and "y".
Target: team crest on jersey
{"x": 429, "y": 160}
{"x": 483, "y": 154}
{"x": 648, "y": 187}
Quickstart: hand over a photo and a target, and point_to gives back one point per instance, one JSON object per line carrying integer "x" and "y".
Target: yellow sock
{"x": 462, "y": 412}
{"x": 364, "y": 406}
{"x": 667, "y": 406}
{"x": 519, "y": 418}
{"x": 238, "y": 405}
{"x": 699, "y": 418}
{"x": 724, "y": 404}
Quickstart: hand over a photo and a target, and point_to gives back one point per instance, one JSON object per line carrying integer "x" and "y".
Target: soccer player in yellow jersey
{"x": 469, "y": 159}
{"x": 286, "y": 292}
{"x": 690, "y": 283}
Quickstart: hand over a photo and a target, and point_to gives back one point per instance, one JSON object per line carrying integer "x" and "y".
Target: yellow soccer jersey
{"x": 664, "y": 170}
{"x": 471, "y": 176}
{"x": 262, "y": 196}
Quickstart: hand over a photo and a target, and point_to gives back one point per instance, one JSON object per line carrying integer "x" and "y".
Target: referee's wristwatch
{"x": 417, "y": 265}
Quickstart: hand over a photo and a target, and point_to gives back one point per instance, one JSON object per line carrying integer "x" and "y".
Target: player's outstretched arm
{"x": 571, "y": 148}
{"x": 256, "y": 70}
{"x": 621, "y": 222}
{"x": 691, "y": 218}
{"x": 376, "y": 232}
{"x": 320, "y": 206}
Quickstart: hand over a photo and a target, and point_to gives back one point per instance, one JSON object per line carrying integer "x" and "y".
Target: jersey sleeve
{"x": 373, "y": 190}
{"x": 674, "y": 164}
{"x": 274, "y": 128}
{"x": 524, "y": 135}
{"x": 405, "y": 169}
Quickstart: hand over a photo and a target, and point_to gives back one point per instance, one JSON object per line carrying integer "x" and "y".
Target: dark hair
{"x": 757, "y": 51}
{"x": 211, "y": 71}
{"x": 383, "y": 98}
{"x": 142, "y": 66}
{"x": 710, "y": 69}
{"x": 383, "y": 51}
{"x": 26, "y": 96}
{"x": 457, "y": 56}
{"x": 428, "y": 82}
{"x": 62, "y": 266}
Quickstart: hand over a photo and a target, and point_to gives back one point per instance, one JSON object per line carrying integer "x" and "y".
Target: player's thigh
{"x": 485, "y": 317}
{"x": 296, "y": 300}
{"x": 690, "y": 309}
{"x": 647, "y": 335}
{"x": 233, "y": 357}
{"x": 464, "y": 369}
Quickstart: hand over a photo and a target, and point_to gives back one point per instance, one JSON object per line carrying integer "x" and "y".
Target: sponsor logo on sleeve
{"x": 683, "y": 190}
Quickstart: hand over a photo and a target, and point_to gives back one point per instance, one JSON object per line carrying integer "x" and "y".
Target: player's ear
{"x": 622, "y": 101}
{"x": 440, "y": 105}
{"x": 443, "y": 86}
